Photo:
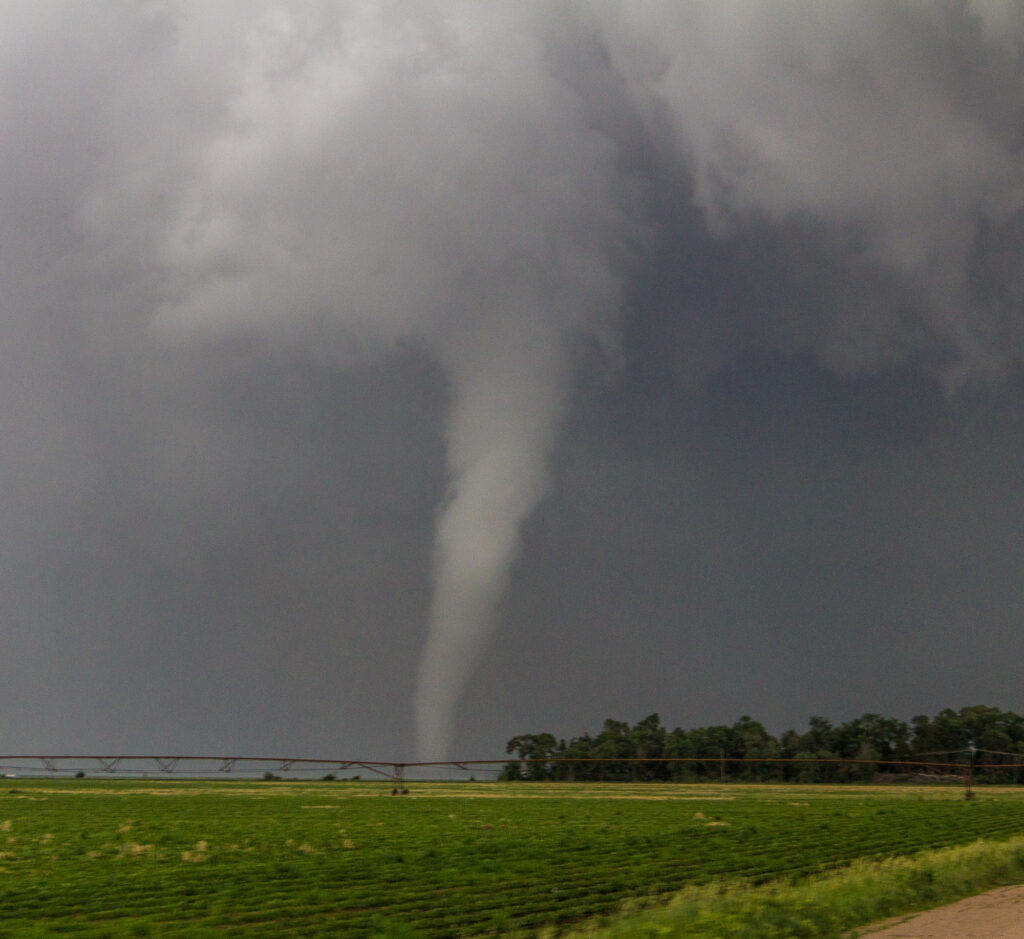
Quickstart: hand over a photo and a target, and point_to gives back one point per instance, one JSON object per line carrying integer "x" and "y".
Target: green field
{"x": 107, "y": 857}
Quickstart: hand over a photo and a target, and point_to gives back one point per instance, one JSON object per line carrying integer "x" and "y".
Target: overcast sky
{"x": 381, "y": 379}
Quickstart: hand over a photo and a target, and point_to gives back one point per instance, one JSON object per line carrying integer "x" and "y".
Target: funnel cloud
{"x": 452, "y": 371}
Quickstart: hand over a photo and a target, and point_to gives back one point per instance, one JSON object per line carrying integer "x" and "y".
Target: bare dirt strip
{"x": 998, "y": 914}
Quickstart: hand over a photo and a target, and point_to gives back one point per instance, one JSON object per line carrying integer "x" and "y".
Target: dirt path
{"x": 998, "y": 914}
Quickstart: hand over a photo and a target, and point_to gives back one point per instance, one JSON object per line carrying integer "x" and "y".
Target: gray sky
{"x": 381, "y": 379}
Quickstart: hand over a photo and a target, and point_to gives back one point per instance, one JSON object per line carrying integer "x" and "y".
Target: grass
{"x": 825, "y": 906}
{"x": 101, "y": 857}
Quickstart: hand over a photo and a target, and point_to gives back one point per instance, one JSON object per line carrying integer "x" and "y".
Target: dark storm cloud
{"x": 701, "y": 324}
{"x": 894, "y": 128}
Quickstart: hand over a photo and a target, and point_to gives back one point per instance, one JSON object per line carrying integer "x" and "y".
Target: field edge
{"x": 842, "y": 904}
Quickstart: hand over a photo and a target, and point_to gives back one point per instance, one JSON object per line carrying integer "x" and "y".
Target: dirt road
{"x": 998, "y": 914}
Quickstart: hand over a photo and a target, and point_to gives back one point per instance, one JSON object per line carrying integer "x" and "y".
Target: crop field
{"x": 104, "y": 857}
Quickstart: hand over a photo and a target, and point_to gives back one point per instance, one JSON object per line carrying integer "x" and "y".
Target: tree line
{"x": 860, "y": 749}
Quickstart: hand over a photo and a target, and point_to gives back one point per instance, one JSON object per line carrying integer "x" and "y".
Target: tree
{"x": 647, "y": 740}
{"x": 579, "y": 748}
{"x": 614, "y": 743}
{"x": 538, "y": 749}
{"x": 821, "y": 735}
{"x": 752, "y": 742}
{"x": 679, "y": 746}
{"x": 857, "y": 749}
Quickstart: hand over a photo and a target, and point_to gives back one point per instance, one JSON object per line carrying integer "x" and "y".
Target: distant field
{"x": 105, "y": 857}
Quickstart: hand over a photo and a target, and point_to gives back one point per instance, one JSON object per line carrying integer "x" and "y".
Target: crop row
{"x": 308, "y": 859}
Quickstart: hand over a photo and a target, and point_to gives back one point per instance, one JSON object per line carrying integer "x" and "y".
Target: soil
{"x": 998, "y": 914}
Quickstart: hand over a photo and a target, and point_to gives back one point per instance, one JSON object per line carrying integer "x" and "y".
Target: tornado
{"x": 506, "y": 408}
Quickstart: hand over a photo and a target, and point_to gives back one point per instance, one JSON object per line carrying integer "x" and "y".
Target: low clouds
{"x": 239, "y": 236}
{"x": 896, "y": 126}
